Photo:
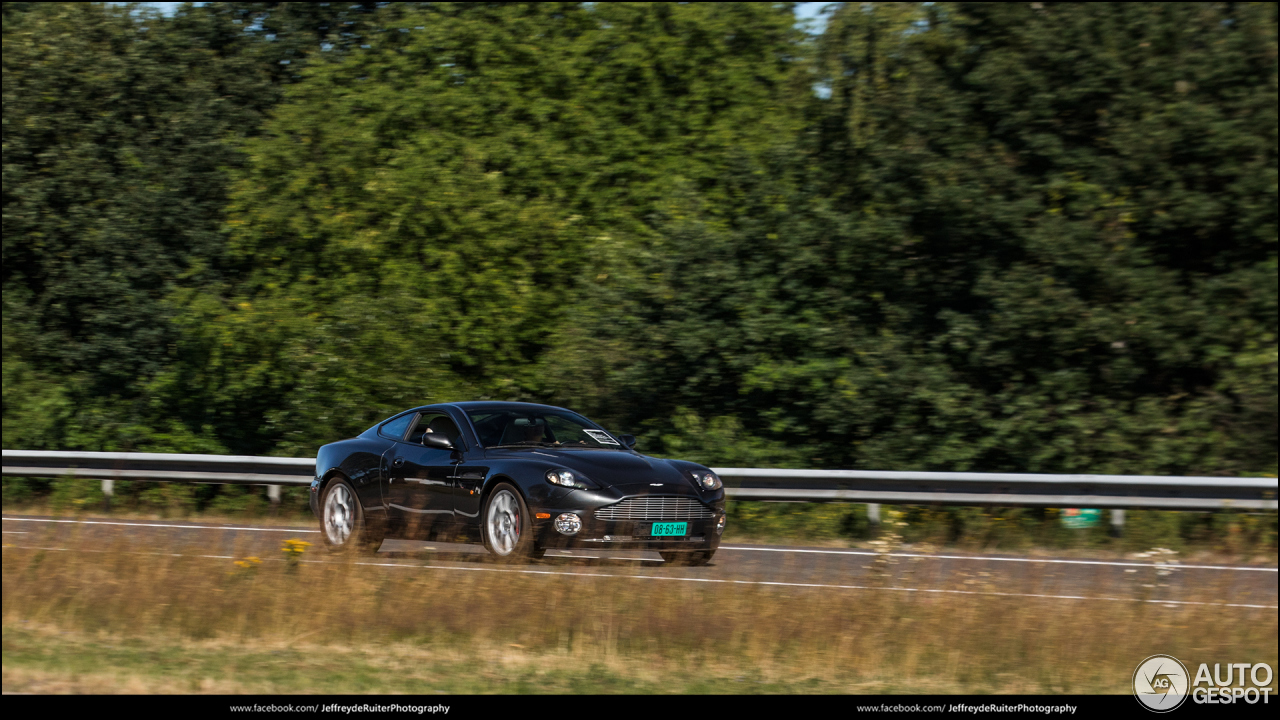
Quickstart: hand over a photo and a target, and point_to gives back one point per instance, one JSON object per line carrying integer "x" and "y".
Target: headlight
{"x": 560, "y": 477}
{"x": 567, "y": 478}
{"x": 707, "y": 479}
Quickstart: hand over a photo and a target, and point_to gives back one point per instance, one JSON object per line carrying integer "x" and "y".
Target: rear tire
{"x": 342, "y": 522}
{"x": 505, "y": 526}
{"x": 697, "y": 558}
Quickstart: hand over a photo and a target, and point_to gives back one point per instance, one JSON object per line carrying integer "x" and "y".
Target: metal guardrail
{"x": 864, "y": 486}
{"x": 161, "y": 467}
{"x": 1011, "y": 489}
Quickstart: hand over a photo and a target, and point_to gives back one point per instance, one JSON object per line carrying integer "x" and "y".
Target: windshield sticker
{"x": 601, "y": 437}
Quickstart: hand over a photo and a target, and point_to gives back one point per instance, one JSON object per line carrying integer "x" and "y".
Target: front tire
{"x": 505, "y": 526}
{"x": 342, "y": 522}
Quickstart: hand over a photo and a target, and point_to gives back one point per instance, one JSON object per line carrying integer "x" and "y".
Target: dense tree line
{"x": 944, "y": 236}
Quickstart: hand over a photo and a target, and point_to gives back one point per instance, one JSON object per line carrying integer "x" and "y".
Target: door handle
{"x": 398, "y": 462}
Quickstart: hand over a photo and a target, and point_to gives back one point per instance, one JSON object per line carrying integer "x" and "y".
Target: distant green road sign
{"x": 1078, "y": 518}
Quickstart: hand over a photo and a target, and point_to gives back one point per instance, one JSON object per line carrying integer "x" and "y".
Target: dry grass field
{"x": 129, "y": 619}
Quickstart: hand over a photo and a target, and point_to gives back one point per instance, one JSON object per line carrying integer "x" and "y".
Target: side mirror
{"x": 628, "y": 440}
{"x": 436, "y": 440}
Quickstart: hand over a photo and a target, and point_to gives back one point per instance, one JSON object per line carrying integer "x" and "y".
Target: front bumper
{"x": 313, "y": 497}
{"x": 700, "y": 533}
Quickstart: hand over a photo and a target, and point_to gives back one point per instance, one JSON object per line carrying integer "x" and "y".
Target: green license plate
{"x": 668, "y": 529}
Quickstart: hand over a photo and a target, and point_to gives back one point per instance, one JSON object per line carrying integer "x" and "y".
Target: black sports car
{"x": 519, "y": 478}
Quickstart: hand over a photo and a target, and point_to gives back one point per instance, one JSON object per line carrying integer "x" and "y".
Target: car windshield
{"x": 539, "y": 428}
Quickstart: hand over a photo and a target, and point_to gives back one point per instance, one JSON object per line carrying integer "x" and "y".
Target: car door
{"x": 420, "y": 488}
{"x": 374, "y": 475}
{"x": 468, "y": 481}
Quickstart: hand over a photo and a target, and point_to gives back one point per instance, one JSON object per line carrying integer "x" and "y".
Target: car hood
{"x": 612, "y": 468}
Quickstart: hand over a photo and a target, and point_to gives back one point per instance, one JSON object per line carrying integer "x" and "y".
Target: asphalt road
{"x": 902, "y": 571}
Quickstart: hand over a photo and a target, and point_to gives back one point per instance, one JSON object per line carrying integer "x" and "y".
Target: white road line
{"x": 820, "y": 585}
{"x": 1168, "y": 603}
{"x": 160, "y": 525}
{"x": 15, "y": 532}
{"x": 812, "y": 551}
{"x": 83, "y": 550}
{"x": 1000, "y": 559}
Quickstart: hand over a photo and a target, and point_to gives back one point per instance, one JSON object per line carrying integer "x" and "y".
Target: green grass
{"x": 51, "y": 661}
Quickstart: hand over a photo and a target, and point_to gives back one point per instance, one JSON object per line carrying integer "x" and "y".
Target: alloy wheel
{"x": 503, "y": 522}
{"x": 339, "y": 514}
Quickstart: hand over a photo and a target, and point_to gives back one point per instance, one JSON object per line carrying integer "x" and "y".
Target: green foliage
{"x": 418, "y": 220}
{"x": 20, "y": 491}
{"x": 115, "y": 155}
{"x": 979, "y": 266}
{"x": 72, "y": 494}
{"x": 236, "y": 500}
{"x": 1237, "y": 534}
{"x": 997, "y": 237}
{"x": 797, "y": 521}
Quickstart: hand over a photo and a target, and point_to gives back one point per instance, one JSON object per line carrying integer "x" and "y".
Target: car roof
{"x": 484, "y": 406}
{"x": 495, "y": 405}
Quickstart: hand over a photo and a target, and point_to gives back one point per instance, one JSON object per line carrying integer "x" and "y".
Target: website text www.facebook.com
{"x": 347, "y": 709}
{"x": 964, "y": 707}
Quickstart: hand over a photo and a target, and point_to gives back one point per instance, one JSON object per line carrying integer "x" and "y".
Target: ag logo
{"x": 1160, "y": 683}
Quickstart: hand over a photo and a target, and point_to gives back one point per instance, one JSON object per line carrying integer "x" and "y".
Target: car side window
{"x": 395, "y": 428}
{"x": 435, "y": 423}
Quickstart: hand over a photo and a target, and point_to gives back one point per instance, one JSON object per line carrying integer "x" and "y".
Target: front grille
{"x": 656, "y": 508}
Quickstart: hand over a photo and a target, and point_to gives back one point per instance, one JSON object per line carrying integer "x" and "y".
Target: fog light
{"x": 720, "y": 524}
{"x": 568, "y": 524}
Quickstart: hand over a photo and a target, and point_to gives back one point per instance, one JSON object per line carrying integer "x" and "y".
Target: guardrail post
{"x": 1117, "y": 522}
{"x": 108, "y": 489}
{"x": 273, "y": 494}
{"x": 873, "y": 513}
